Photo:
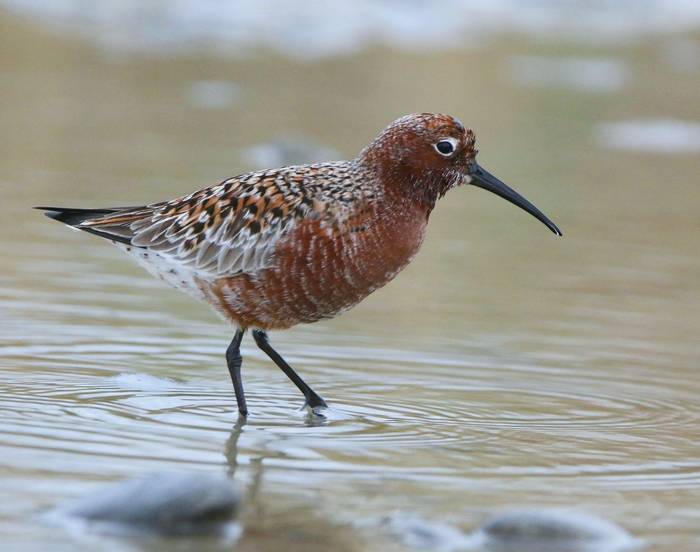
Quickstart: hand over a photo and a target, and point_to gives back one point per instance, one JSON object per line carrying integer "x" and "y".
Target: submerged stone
{"x": 544, "y": 530}
{"x": 168, "y": 503}
{"x": 535, "y": 530}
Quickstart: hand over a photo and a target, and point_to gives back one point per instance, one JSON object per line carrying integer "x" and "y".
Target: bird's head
{"x": 424, "y": 155}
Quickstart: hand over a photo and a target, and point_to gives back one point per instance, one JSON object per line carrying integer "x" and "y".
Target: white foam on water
{"x": 418, "y": 533}
{"x": 662, "y": 135}
{"x": 308, "y": 30}
{"x": 287, "y": 150}
{"x": 602, "y": 74}
{"x": 212, "y": 94}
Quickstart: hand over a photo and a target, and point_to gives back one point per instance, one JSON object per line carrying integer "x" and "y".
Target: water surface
{"x": 503, "y": 368}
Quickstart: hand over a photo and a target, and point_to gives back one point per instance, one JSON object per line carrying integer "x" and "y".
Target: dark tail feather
{"x": 73, "y": 217}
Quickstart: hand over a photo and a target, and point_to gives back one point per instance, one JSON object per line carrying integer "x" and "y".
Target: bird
{"x": 275, "y": 248}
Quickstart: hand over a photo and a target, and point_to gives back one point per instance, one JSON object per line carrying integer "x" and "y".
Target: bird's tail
{"x": 81, "y": 218}
{"x": 72, "y": 216}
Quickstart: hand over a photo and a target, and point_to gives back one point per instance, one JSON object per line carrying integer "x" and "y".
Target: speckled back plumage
{"x": 233, "y": 227}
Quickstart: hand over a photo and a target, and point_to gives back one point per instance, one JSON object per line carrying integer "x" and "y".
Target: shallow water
{"x": 503, "y": 368}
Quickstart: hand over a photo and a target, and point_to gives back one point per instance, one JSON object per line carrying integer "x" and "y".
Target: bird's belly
{"x": 164, "y": 268}
{"x": 318, "y": 274}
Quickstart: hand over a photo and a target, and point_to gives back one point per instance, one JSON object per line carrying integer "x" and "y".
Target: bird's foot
{"x": 315, "y": 406}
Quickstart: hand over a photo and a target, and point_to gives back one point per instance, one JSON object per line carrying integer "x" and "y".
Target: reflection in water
{"x": 231, "y": 449}
{"x": 502, "y": 368}
{"x": 254, "y": 502}
{"x": 275, "y": 522}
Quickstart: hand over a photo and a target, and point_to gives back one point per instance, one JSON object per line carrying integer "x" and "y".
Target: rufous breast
{"x": 323, "y": 268}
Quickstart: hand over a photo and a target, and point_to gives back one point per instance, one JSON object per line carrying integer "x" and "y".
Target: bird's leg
{"x": 312, "y": 398}
{"x": 234, "y": 361}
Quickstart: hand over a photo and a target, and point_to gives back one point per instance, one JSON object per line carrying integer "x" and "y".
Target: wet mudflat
{"x": 504, "y": 368}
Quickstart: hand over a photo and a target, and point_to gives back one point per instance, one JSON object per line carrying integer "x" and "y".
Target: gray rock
{"x": 170, "y": 503}
{"x": 545, "y": 530}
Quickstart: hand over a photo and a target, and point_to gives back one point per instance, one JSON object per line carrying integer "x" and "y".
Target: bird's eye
{"x": 445, "y": 147}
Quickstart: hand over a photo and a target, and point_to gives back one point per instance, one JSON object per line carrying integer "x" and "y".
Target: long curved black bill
{"x": 484, "y": 179}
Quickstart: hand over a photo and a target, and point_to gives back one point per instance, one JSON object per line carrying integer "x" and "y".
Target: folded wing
{"x": 223, "y": 230}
